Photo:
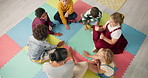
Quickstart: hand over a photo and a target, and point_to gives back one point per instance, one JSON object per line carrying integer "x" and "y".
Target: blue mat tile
{"x": 134, "y": 38}
{"x": 49, "y": 9}
{"x": 21, "y": 32}
{"x": 67, "y": 34}
{"x": 41, "y": 75}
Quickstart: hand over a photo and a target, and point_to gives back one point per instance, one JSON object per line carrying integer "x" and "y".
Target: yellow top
{"x": 68, "y": 8}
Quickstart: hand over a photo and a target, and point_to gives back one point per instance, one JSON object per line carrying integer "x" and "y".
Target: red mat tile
{"x": 8, "y": 49}
{"x": 77, "y": 56}
{"x": 122, "y": 62}
{"x": 81, "y": 7}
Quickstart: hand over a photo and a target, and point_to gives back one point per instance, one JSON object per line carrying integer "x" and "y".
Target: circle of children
{"x": 108, "y": 40}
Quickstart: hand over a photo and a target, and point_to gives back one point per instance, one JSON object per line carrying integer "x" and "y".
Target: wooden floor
{"x": 13, "y": 11}
{"x": 136, "y": 12}
{"x": 136, "y": 15}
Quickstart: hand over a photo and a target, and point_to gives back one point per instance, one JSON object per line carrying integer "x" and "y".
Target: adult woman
{"x": 110, "y": 35}
{"x": 60, "y": 68}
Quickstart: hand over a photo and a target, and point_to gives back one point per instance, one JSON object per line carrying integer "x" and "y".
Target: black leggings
{"x": 57, "y": 16}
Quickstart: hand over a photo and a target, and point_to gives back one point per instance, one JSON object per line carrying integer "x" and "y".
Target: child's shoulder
{"x": 112, "y": 64}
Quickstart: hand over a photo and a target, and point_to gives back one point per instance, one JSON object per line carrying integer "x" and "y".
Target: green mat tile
{"x": 20, "y": 66}
{"x": 81, "y": 41}
{"x": 49, "y": 9}
{"x": 104, "y": 19}
{"x": 89, "y": 74}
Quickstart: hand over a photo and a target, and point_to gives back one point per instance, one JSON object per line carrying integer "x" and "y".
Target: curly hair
{"x": 39, "y": 12}
{"x": 40, "y": 32}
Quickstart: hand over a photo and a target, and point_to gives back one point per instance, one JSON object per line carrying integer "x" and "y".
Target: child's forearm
{"x": 110, "y": 41}
{"x": 93, "y": 56}
{"x": 71, "y": 58}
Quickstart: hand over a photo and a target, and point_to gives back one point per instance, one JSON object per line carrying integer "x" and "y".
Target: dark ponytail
{"x": 60, "y": 54}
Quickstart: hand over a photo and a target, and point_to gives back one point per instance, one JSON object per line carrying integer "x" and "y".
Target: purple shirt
{"x": 37, "y": 21}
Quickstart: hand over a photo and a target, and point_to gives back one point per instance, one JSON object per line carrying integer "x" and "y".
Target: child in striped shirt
{"x": 91, "y": 17}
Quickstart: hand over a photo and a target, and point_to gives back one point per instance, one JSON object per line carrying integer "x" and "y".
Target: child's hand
{"x": 50, "y": 28}
{"x": 102, "y": 36}
{"x": 88, "y": 21}
{"x": 66, "y": 14}
{"x": 60, "y": 43}
{"x": 86, "y": 53}
{"x": 67, "y": 26}
{"x": 97, "y": 28}
{"x": 97, "y": 23}
{"x": 58, "y": 34}
{"x": 96, "y": 61}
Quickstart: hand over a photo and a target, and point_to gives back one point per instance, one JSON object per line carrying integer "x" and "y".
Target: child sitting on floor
{"x": 42, "y": 18}
{"x": 38, "y": 47}
{"x": 65, "y": 12}
{"x": 103, "y": 64}
{"x": 91, "y": 17}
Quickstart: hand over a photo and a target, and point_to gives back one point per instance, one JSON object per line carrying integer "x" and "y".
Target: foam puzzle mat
{"x": 15, "y": 63}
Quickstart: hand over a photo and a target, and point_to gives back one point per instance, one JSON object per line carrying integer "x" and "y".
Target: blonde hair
{"x": 118, "y": 18}
{"x": 108, "y": 55}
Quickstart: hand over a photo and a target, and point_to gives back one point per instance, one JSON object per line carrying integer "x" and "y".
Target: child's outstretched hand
{"x": 58, "y": 34}
{"x": 60, "y": 43}
{"x": 86, "y": 53}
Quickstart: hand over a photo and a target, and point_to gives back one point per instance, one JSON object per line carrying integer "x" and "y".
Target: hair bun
{"x": 122, "y": 16}
{"x": 52, "y": 57}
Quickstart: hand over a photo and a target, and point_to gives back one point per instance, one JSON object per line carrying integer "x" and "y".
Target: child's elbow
{"x": 112, "y": 43}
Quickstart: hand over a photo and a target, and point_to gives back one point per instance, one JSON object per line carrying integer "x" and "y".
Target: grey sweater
{"x": 38, "y": 48}
{"x": 64, "y": 71}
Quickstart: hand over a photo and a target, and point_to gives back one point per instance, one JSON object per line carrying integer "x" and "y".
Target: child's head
{"x": 64, "y": 2}
{"x": 106, "y": 54}
{"x": 40, "y": 32}
{"x": 41, "y": 13}
{"x": 94, "y": 12}
{"x": 117, "y": 18}
{"x": 60, "y": 54}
